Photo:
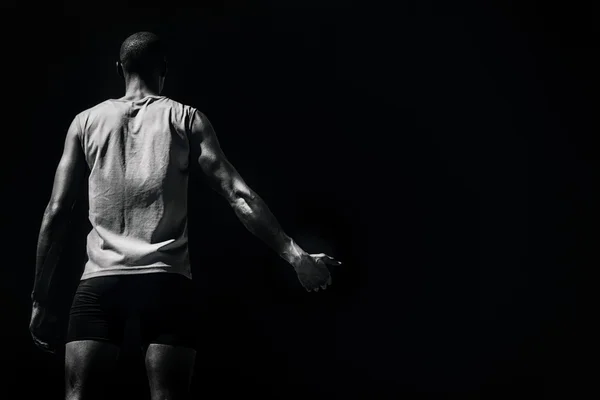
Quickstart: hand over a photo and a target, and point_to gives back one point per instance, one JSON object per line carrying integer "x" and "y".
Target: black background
{"x": 441, "y": 150}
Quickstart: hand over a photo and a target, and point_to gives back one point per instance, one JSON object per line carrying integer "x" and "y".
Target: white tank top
{"x": 138, "y": 155}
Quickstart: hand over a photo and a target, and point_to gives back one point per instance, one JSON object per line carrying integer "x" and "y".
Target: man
{"x": 140, "y": 149}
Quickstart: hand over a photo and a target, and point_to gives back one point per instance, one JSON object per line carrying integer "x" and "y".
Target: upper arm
{"x": 211, "y": 160}
{"x": 70, "y": 171}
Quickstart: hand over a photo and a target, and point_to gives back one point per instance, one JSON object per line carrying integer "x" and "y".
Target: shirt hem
{"x": 151, "y": 270}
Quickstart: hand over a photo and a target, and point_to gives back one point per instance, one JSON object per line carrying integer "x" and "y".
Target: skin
{"x": 84, "y": 356}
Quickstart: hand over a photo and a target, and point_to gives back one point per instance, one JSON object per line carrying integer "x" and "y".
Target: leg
{"x": 169, "y": 371}
{"x": 94, "y": 334}
{"x": 87, "y": 368}
{"x": 167, "y": 330}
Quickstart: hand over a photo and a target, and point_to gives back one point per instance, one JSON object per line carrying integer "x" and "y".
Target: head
{"x": 142, "y": 56}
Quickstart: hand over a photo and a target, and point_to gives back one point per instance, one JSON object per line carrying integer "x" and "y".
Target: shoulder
{"x": 187, "y": 111}
{"x": 90, "y": 113}
{"x": 194, "y": 118}
{"x": 95, "y": 108}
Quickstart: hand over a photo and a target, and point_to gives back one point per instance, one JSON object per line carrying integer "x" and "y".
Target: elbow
{"x": 56, "y": 209}
{"x": 238, "y": 193}
{"x": 242, "y": 198}
{"x": 242, "y": 191}
{"x": 243, "y": 201}
{"x": 242, "y": 207}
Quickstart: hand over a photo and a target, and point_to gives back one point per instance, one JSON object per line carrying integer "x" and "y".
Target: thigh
{"x": 89, "y": 365}
{"x": 170, "y": 370}
{"x": 168, "y": 315}
{"x": 167, "y": 321}
{"x": 97, "y": 312}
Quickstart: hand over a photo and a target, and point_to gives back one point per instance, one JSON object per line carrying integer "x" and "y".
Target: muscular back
{"x": 138, "y": 156}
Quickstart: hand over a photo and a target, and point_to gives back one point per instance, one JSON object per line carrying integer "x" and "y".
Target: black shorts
{"x": 163, "y": 303}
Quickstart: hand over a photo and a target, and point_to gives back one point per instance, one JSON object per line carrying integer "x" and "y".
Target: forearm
{"x": 50, "y": 242}
{"x": 255, "y": 215}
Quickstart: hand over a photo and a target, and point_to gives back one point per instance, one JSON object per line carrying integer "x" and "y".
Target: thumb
{"x": 327, "y": 259}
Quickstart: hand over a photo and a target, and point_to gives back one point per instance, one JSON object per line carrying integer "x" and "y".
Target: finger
{"x": 39, "y": 342}
{"x": 42, "y": 345}
{"x": 323, "y": 255}
{"x": 47, "y": 349}
{"x": 332, "y": 261}
{"x": 329, "y": 281}
{"x": 327, "y": 259}
{"x": 325, "y": 283}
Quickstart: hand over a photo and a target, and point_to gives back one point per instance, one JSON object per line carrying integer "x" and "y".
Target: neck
{"x": 138, "y": 88}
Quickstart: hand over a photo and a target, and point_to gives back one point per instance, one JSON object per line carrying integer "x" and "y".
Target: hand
{"x": 313, "y": 272}
{"x": 44, "y": 328}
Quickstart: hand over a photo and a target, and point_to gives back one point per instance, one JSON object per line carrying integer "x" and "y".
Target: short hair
{"x": 142, "y": 53}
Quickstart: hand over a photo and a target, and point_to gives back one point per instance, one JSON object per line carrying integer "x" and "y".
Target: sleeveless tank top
{"x": 138, "y": 158}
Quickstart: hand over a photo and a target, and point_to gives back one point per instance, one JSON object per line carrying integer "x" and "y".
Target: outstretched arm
{"x": 250, "y": 208}
{"x": 67, "y": 180}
